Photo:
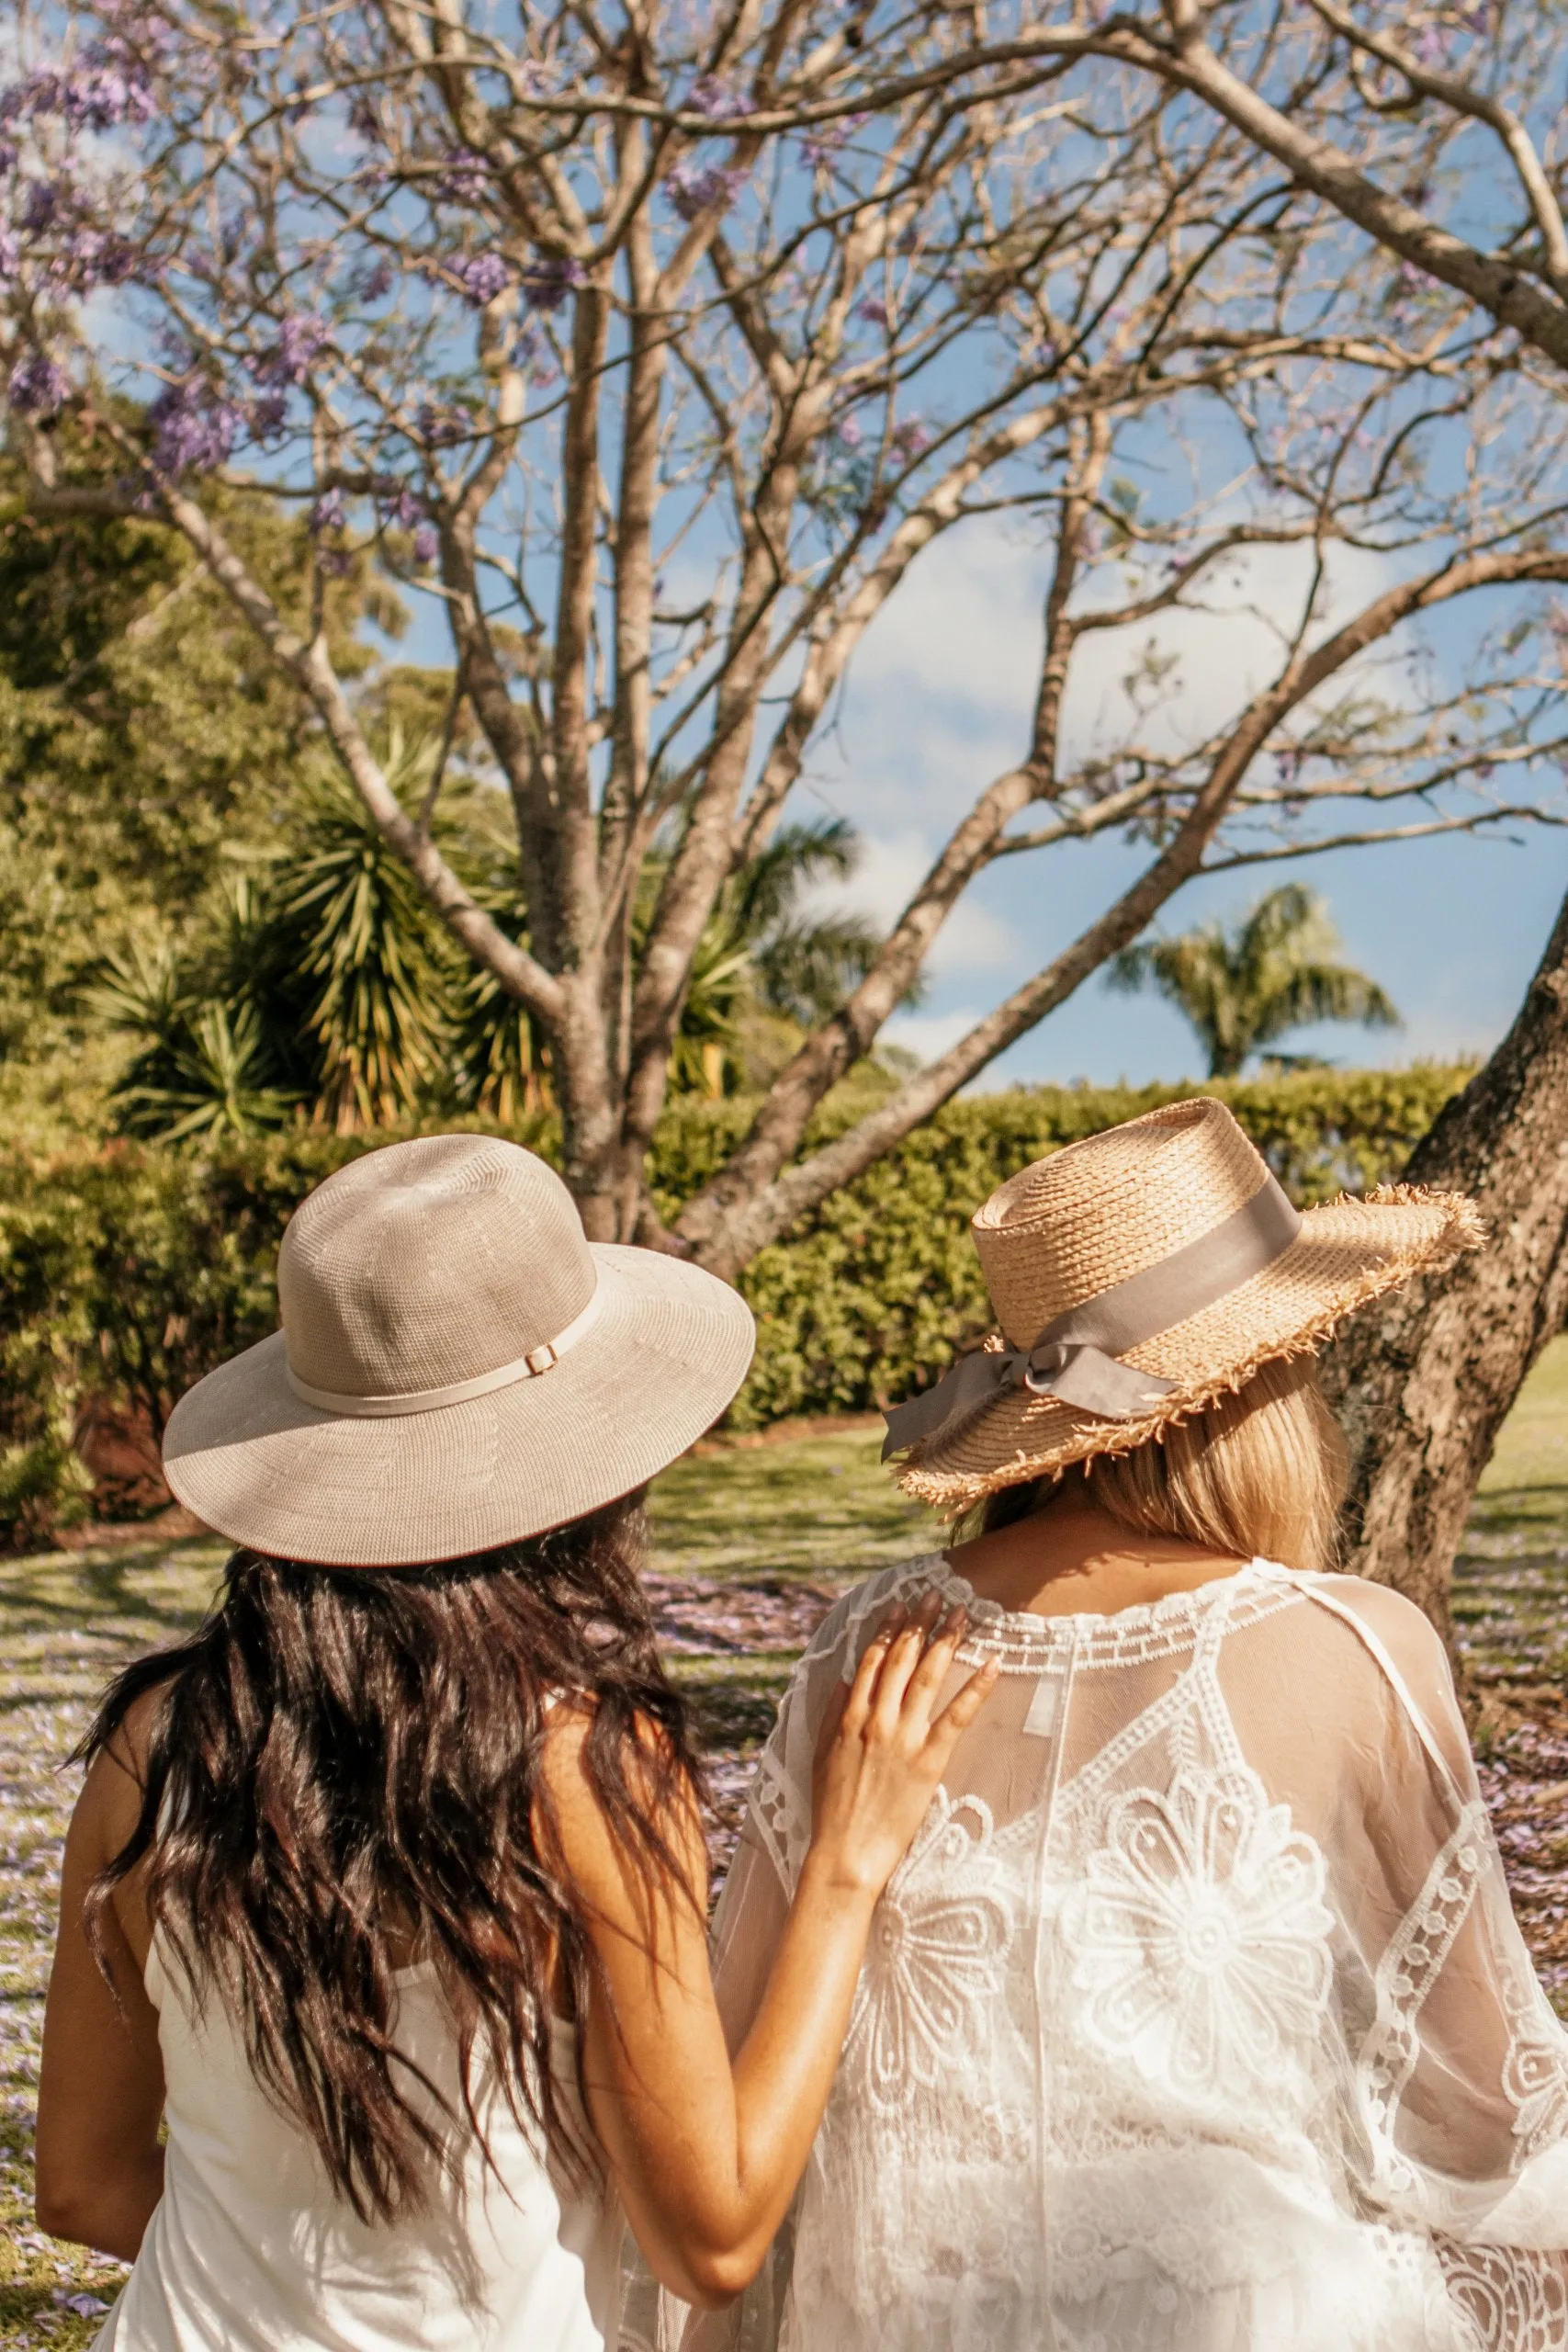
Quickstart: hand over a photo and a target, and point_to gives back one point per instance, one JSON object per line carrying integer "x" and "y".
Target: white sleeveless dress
{"x": 250, "y": 2251}
{"x": 1196, "y": 2019}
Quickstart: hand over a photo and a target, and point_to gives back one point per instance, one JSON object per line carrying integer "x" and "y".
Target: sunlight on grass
{"x": 818, "y": 1507}
{"x": 1511, "y": 1578}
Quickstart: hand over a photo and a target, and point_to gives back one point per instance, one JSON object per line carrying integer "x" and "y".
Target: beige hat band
{"x": 457, "y": 1392}
{"x": 1076, "y": 1357}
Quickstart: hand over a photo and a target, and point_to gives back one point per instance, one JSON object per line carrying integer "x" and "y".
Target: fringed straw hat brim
{"x": 1346, "y": 1255}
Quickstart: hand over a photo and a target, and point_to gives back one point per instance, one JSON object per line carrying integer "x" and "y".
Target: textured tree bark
{"x": 1422, "y": 1381}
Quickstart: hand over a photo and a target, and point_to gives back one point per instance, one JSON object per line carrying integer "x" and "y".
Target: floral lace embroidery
{"x": 1202, "y": 1931}
{"x": 939, "y": 1943}
{"x": 1536, "y": 2079}
{"x": 1509, "y": 2301}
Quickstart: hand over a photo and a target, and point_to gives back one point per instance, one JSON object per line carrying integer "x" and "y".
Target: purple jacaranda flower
{"x": 10, "y": 155}
{"x": 822, "y": 142}
{"x": 194, "y": 428}
{"x": 38, "y": 386}
{"x": 10, "y": 257}
{"x": 465, "y": 178}
{"x": 911, "y": 438}
{"x": 403, "y": 507}
{"x": 547, "y": 284}
{"x": 269, "y": 413}
{"x": 374, "y": 284}
{"x": 89, "y": 257}
{"x": 328, "y": 513}
{"x": 40, "y": 203}
{"x": 106, "y": 89}
{"x": 480, "y": 276}
{"x": 872, "y": 310}
{"x": 290, "y": 359}
{"x": 696, "y": 188}
{"x": 716, "y": 101}
{"x": 441, "y": 427}
{"x": 105, "y": 96}
{"x": 426, "y": 543}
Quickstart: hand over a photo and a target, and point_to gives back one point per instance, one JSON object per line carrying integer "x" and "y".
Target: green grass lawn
{"x": 748, "y": 1542}
{"x": 1511, "y": 1579}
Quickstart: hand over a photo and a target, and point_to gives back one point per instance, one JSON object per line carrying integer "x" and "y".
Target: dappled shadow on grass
{"x": 1510, "y": 1587}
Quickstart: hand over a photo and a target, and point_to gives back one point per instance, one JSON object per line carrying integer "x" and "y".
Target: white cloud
{"x": 941, "y": 694}
{"x": 930, "y": 1035}
{"x": 974, "y": 938}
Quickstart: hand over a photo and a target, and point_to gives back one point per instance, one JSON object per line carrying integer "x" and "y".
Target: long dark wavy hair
{"x": 339, "y": 1753}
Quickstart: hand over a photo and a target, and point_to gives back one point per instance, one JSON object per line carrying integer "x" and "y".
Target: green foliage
{"x": 127, "y": 1272}
{"x": 201, "y": 1070}
{"x": 1243, "y": 989}
{"x": 378, "y": 966}
{"x": 142, "y": 728}
{"x": 322, "y": 982}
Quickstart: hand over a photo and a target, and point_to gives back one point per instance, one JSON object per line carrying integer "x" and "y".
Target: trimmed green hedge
{"x": 127, "y": 1272}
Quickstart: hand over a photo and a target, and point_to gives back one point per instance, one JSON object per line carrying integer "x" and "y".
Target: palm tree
{"x": 762, "y": 952}
{"x": 325, "y": 988}
{"x": 1243, "y": 988}
{"x": 377, "y": 956}
{"x": 198, "y": 1073}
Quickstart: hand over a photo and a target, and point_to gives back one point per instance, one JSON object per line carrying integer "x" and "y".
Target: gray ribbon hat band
{"x": 1077, "y": 1356}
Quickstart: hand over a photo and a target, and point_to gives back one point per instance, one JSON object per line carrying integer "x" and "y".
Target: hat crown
{"x": 428, "y": 1263}
{"x": 1068, "y": 1227}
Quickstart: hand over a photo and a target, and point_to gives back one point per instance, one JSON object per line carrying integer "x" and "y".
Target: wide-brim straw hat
{"x": 459, "y": 1367}
{"x": 1138, "y": 1277}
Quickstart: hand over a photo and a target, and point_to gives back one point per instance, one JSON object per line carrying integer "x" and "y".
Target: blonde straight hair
{"x": 1258, "y": 1472}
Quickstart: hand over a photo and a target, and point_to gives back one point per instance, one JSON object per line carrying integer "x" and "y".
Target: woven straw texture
{"x": 1074, "y": 1225}
{"x": 417, "y": 1267}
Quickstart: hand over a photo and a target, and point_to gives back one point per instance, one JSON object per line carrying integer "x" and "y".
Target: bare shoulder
{"x": 110, "y": 1803}
{"x": 574, "y": 1818}
{"x": 1409, "y": 1657}
{"x": 1404, "y": 1631}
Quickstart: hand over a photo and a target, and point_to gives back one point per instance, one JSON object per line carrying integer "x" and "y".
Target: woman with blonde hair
{"x": 382, "y": 1985}
{"x": 1196, "y": 2019}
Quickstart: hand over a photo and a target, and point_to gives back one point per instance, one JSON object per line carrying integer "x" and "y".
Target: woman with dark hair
{"x": 382, "y": 1984}
{"x": 1196, "y": 2019}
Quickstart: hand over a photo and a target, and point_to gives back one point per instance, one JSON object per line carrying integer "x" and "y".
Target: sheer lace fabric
{"x": 1195, "y": 2020}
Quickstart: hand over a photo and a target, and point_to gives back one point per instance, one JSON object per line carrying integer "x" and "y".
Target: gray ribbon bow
{"x": 1077, "y": 1356}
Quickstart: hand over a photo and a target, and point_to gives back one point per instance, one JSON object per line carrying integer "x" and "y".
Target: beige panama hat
{"x": 459, "y": 1367}
{"x": 1137, "y": 1277}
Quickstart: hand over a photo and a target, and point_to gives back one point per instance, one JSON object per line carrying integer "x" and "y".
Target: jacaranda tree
{"x": 652, "y": 352}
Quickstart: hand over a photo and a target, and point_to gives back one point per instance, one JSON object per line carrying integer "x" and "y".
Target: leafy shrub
{"x": 127, "y": 1272}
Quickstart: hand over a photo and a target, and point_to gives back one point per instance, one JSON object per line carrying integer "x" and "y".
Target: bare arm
{"x": 707, "y": 2154}
{"x": 100, "y": 2168}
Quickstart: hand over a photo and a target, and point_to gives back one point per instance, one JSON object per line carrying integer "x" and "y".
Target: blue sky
{"x": 939, "y": 702}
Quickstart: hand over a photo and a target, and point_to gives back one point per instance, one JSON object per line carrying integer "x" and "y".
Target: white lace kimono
{"x": 1195, "y": 2020}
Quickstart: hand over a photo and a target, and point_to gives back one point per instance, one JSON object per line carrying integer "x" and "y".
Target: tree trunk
{"x": 1422, "y": 1381}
